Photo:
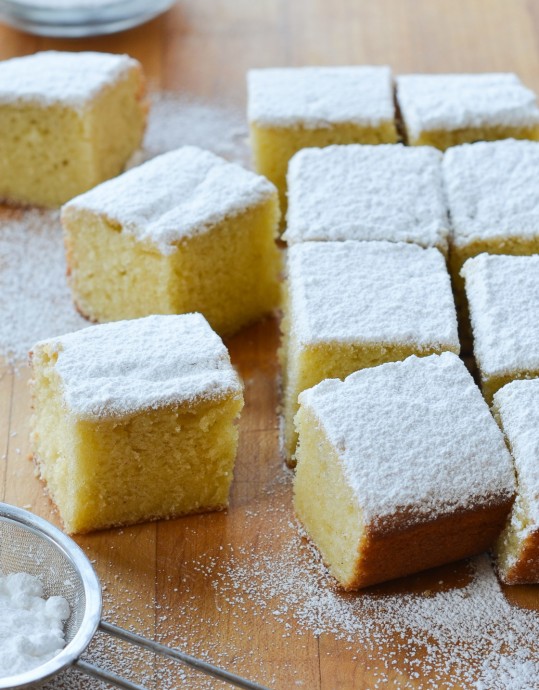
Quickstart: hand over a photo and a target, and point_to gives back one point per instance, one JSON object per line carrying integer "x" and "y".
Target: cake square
{"x": 68, "y": 121}
{"x": 294, "y": 108}
{"x": 386, "y": 192}
{"x": 134, "y": 421}
{"x": 493, "y": 200}
{"x": 400, "y": 468}
{"x": 186, "y": 231}
{"x": 503, "y": 299}
{"x": 516, "y": 406}
{"x": 351, "y": 305}
{"x": 443, "y": 110}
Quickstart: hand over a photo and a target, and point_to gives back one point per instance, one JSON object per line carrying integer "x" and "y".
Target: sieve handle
{"x": 140, "y": 641}
{"x": 106, "y": 676}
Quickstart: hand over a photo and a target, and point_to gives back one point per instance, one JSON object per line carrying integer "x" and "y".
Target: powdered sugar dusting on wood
{"x": 35, "y": 301}
{"x": 449, "y": 627}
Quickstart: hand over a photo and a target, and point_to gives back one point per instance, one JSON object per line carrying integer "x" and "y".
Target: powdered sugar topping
{"x": 175, "y": 195}
{"x": 54, "y": 77}
{"x": 121, "y": 368}
{"x": 517, "y": 405}
{"x": 384, "y": 192}
{"x": 414, "y": 437}
{"x": 503, "y": 295}
{"x": 430, "y": 102}
{"x": 314, "y": 97}
{"x": 492, "y": 190}
{"x": 371, "y": 292}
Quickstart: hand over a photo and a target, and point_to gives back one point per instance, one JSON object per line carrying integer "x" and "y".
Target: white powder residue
{"x": 31, "y": 627}
{"x": 35, "y": 301}
{"x": 449, "y": 627}
{"x": 465, "y": 634}
{"x": 177, "y": 120}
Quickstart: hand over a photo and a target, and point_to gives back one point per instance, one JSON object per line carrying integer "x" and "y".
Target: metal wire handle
{"x": 132, "y": 638}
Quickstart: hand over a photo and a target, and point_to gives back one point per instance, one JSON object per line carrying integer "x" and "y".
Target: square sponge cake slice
{"x": 516, "y": 407}
{"x": 68, "y": 121}
{"x": 503, "y": 298}
{"x": 357, "y": 192}
{"x": 292, "y": 108}
{"x": 184, "y": 232}
{"x": 491, "y": 189}
{"x": 400, "y": 468}
{"x": 444, "y": 110}
{"x": 134, "y": 421}
{"x": 352, "y": 305}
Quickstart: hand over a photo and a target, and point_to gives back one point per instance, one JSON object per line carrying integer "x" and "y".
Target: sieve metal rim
{"x": 92, "y": 590}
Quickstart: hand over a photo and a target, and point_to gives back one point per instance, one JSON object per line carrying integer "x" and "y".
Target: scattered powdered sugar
{"x": 520, "y": 671}
{"x": 449, "y": 627}
{"x": 35, "y": 301}
{"x": 438, "y": 636}
{"x": 31, "y": 627}
{"x": 177, "y": 120}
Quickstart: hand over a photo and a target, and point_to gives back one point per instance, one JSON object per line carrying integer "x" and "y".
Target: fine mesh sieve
{"x": 32, "y": 545}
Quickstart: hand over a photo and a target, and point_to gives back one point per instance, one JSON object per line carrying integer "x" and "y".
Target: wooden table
{"x": 204, "y": 47}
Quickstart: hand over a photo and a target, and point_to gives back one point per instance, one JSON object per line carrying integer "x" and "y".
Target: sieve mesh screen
{"x": 23, "y": 549}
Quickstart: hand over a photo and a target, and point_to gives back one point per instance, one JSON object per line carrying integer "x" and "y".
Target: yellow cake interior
{"x": 324, "y": 502}
{"x": 49, "y": 154}
{"x": 459, "y": 254}
{"x": 511, "y": 544}
{"x": 229, "y": 272}
{"x": 157, "y": 463}
{"x": 491, "y": 384}
{"x": 113, "y": 276}
{"x": 442, "y": 139}
{"x": 273, "y": 147}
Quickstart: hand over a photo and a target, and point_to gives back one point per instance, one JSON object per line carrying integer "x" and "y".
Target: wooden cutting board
{"x": 166, "y": 579}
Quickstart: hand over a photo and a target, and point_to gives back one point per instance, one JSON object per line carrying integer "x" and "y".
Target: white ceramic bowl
{"x": 77, "y": 18}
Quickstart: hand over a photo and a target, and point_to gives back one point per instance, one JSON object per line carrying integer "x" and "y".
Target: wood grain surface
{"x": 203, "y": 48}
